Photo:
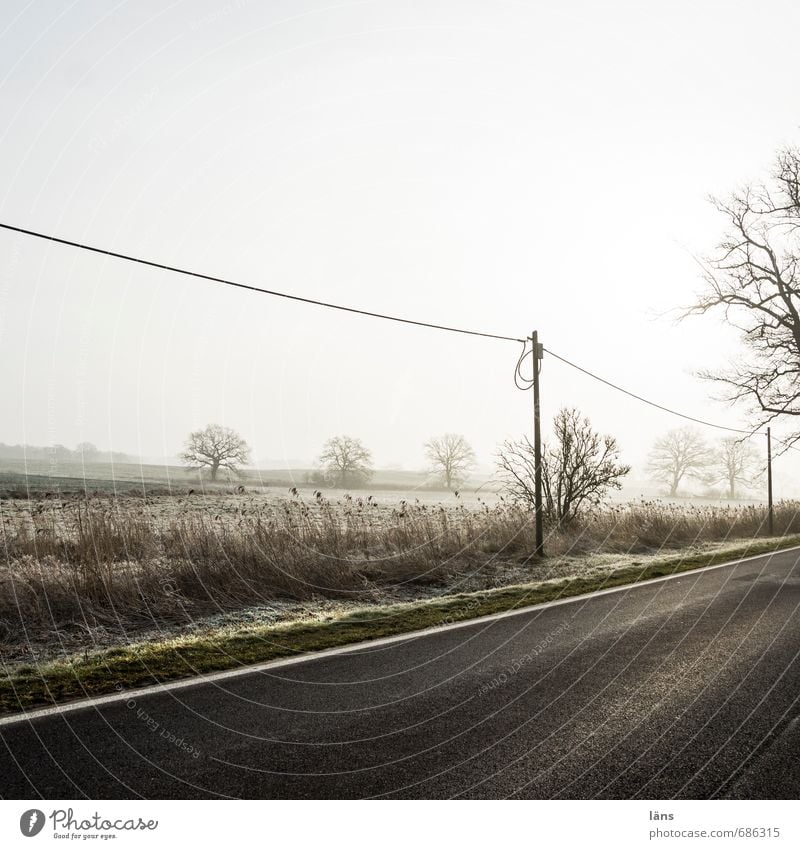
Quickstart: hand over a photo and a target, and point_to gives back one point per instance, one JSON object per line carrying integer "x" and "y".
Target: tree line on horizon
{"x": 343, "y": 462}
{"x": 579, "y": 465}
{"x": 680, "y": 455}
{"x": 683, "y": 454}
{"x": 85, "y": 452}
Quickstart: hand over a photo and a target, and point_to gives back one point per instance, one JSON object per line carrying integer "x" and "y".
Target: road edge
{"x": 310, "y": 656}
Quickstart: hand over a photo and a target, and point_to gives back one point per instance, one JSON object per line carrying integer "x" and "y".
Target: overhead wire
{"x": 520, "y": 380}
{"x": 646, "y": 400}
{"x": 747, "y": 433}
{"x": 249, "y": 286}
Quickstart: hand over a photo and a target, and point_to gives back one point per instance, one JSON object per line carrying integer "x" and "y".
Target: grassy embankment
{"x": 116, "y": 562}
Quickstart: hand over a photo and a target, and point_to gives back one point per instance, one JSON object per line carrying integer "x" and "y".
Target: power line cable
{"x": 250, "y": 287}
{"x": 520, "y": 380}
{"x": 749, "y": 433}
{"x": 647, "y": 401}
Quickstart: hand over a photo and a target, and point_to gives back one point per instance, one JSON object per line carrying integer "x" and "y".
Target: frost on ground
{"x": 76, "y": 640}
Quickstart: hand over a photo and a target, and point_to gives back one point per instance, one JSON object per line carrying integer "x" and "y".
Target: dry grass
{"x": 653, "y": 525}
{"x": 118, "y": 562}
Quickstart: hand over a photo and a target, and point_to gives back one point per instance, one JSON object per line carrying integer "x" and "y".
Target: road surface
{"x": 684, "y": 688}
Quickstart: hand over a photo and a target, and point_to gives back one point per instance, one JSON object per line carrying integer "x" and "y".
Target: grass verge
{"x": 139, "y": 665}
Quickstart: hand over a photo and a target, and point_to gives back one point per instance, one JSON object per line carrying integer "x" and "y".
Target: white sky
{"x": 503, "y": 166}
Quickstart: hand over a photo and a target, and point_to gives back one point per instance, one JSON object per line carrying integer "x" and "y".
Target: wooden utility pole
{"x": 538, "y": 353}
{"x": 771, "y": 520}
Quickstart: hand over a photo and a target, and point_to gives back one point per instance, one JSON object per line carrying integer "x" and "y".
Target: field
{"x": 121, "y": 585}
{"x": 134, "y": 573}
{"x": 82, "y": 570}
{"x": 21, "y": 477}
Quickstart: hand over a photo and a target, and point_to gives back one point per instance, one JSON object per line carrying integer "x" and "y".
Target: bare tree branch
{"x": 753, "y": 282}
{"x": 578, "y": 470}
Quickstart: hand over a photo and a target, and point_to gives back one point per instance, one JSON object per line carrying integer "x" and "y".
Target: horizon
{"x": 636, "y": 484}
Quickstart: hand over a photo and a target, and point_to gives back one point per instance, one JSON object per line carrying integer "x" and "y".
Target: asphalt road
{"x": 686, "y": 688}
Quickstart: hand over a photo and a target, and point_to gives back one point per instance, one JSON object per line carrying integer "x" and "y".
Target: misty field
{"x": 83, "y": 571}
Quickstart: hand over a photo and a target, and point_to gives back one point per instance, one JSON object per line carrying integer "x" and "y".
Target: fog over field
{"x": 491, "y": 166}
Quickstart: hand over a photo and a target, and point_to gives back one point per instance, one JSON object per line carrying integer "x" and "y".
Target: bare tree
{"x": 754, "y": 281}
{"x": 578, "y": 469}
{"x": 679, "y": 454}
{"x": 87, "y": 451}
{"x": 216, "y": 447}
{"x": 516, "y": 463}
{"x": 450, "y": 457}
{"x": 735, "y": 462}
{"x": 346, "y": 461}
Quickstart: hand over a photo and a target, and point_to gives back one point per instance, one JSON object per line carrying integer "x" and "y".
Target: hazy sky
{"x": 502, "y": 166}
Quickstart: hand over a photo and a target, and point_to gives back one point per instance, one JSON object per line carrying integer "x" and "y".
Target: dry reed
{"x": 114, "y": 562}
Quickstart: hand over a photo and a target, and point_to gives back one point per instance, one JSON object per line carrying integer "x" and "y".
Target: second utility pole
{"x": 538, "y": 353}
{"x": 770, "y": 519}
